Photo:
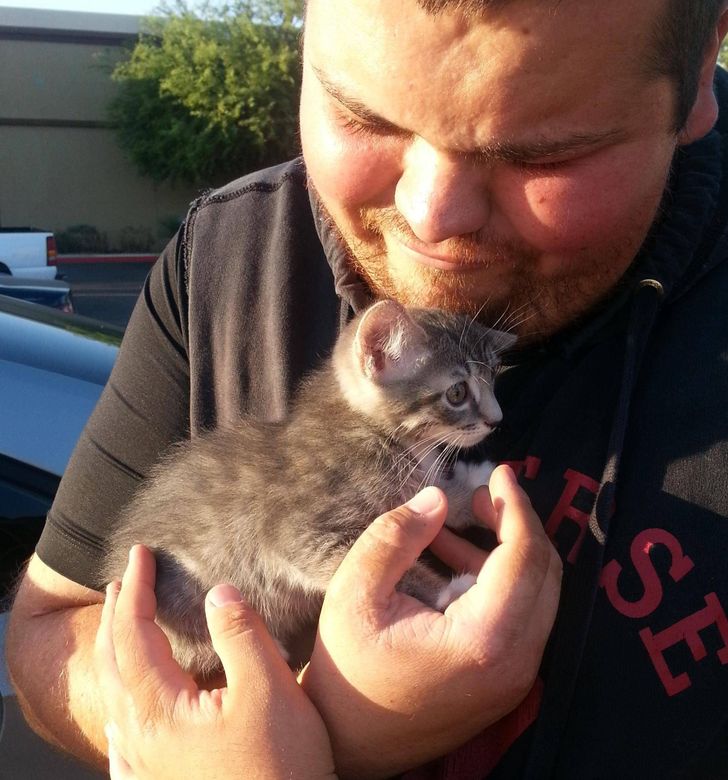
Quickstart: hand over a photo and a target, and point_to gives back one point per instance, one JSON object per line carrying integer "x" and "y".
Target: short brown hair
{"x": 681, "y": 37}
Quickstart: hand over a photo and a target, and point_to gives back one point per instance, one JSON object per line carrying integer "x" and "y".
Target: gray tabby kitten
{"x": 274, "y": 507}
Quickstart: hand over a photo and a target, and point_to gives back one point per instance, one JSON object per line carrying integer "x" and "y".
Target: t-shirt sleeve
{"x": 143, "y": 409}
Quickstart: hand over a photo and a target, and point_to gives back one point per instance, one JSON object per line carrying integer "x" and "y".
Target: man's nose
{"x": 441, "y": 194}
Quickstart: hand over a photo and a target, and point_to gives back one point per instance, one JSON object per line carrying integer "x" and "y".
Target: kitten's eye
{"x": 457, "y": 394}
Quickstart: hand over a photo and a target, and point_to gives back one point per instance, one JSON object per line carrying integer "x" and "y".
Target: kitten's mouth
{"x": 471, "y": 438}
{"x": 466, "y": 439}
{"x": 476, "y": 438}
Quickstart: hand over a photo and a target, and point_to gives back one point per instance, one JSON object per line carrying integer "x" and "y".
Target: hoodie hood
{"x": 681, "y": 249}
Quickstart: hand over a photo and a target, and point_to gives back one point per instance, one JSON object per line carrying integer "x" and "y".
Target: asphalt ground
{"x": 105, "y": 291}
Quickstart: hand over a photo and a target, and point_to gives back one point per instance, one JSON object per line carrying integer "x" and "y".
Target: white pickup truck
{"x": 27, "y": 253}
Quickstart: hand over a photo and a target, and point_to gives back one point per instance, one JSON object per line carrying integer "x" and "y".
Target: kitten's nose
{"x": 493, "y": 420}
{"x": 492, "y": 415}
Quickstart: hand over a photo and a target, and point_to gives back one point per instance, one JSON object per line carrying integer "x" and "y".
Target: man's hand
{"x": 163, "y": 726}
{"x": 398, "y": 683}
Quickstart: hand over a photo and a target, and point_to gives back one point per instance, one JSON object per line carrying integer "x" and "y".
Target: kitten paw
{"x": 460, "y": 583}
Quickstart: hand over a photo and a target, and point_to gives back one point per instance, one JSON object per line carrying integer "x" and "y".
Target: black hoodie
{"x": 618, "y": 430}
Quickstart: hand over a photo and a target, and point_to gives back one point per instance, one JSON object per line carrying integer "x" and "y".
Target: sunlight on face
{"x": 511, "y": 163}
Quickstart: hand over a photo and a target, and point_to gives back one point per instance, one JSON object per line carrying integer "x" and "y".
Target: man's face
{"x": 512, "y": 163}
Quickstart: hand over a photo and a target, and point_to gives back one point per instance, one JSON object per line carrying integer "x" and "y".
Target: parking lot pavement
{"x": 112, "y": 303}
{"x": 105, "y": 291}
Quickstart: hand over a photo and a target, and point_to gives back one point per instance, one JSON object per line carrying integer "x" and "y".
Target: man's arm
{"x": 49, "y": 648}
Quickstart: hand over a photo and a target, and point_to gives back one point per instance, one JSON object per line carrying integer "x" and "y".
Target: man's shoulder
{"x": 248, "y": 210}
{"x": 287, "y": 176}
{"x": 258, "y": 219}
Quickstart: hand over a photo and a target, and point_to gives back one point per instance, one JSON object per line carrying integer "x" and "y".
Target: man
{"x": 550, "y": 165}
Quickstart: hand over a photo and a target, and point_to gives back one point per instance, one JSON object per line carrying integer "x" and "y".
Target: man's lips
{"x": 428, "y": 255}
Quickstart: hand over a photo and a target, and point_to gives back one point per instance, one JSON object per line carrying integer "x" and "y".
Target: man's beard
{"x": 504, "y": 290}
{"x": 433, "y": 287}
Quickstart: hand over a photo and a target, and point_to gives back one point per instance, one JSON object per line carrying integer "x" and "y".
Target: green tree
{"x": 211, "y": 91}
{"x": 723, "y": 56}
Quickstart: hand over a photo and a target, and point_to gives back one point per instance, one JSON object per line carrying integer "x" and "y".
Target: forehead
{"x": 463, "y": 80}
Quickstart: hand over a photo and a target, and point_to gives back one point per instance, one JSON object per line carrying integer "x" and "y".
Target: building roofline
{"x": 74, "y": 26}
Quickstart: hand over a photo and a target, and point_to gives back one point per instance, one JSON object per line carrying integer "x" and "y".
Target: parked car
{"x": 28, "y": 252}
{"x": 53, "y": 367}
{"x": 47, "y": 292}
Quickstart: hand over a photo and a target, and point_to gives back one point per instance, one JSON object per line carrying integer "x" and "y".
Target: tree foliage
{"x": 212, "y": 91}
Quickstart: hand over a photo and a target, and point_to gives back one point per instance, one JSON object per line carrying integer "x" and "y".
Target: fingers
{"x": 483, "y": 508}
{"x": 458, "y": 553}
{"x": 250, "y": 656}
{"x": 138, "y": 584}
{"x": 119, "y": 769}
{"x": 513, "y": 517}
{"x": 388, "y": 547}
{"x": 462, "y": 556}
{"x": 522, "y": 575}
{"x": 143, "y": 654}
{"x": 104, "y": 654}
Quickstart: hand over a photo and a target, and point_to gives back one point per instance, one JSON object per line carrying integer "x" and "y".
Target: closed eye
{"x": 545, "y": 165}
{"x": 355, "y": 125}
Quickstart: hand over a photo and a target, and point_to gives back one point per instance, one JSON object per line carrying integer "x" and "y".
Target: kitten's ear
{"x": 387, "y": 342}
{"x": 502, "y": 341}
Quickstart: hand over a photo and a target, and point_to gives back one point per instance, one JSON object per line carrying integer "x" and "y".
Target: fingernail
{"x": 425, "y": 501}
{"x": 221, "y": 595}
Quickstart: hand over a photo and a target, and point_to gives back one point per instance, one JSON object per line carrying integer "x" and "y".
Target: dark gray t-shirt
{"x": 237, "y": 308}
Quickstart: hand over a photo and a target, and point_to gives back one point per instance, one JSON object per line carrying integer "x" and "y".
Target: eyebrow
{"x": 536, "y": 149}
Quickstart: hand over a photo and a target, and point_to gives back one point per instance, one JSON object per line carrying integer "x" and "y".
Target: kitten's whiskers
{"x": 410, "y": 459}
{"x": 469, "y": 324}
{"x": 433, "y": 474}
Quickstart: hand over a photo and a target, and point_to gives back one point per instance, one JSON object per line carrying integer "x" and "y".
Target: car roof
{"x": 53, "y": 367}
{"x": 8, "y": 282}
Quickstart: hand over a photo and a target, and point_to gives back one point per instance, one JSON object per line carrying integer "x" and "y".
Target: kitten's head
{"x": 422, "y": 374}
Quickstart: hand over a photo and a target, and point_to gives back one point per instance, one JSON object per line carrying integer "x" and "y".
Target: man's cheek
{"x": 561, "y": 213}
{"x": 349, "y": 171}
{"x": 355, "y": 175}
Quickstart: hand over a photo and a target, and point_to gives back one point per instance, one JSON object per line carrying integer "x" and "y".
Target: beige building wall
{"x": 59, "y": 161}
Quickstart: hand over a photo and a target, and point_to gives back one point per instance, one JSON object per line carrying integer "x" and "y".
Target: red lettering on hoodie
{"x": 528, "y": 467}
{"x": 652, "y": 586}
{"x": 565, "y": 510}
{"x": 686, "y": 630}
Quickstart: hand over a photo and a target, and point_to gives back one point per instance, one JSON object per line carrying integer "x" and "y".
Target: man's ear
{"x": 704, "y": 113}
{"x": 387, "y": 343}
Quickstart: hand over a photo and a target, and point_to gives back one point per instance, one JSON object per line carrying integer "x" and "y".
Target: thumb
{"x": 388, "y": 548}
{"x": 240, "y": 638}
